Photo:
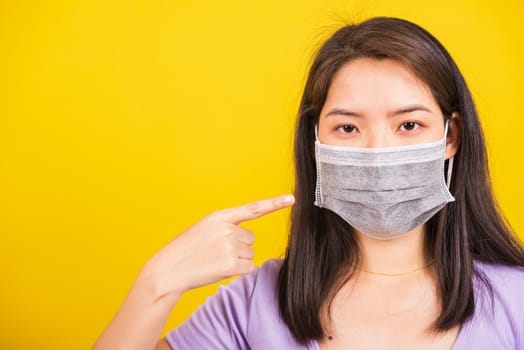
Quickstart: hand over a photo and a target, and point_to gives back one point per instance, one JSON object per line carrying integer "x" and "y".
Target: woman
{"x": 396, "y": 241}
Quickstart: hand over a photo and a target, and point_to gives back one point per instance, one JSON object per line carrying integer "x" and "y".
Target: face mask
{"x": 383, "y": 192}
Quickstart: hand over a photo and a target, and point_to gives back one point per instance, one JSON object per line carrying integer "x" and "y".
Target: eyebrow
{"x": 403, "y": 110}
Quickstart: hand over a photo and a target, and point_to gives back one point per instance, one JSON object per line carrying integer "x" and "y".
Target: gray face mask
{"x": 383, "y": 192}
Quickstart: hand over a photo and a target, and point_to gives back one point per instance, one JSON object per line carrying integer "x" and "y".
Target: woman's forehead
{"x": 368, "y": 84}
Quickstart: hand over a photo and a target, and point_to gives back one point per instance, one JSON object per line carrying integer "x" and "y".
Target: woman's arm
{"x": 213, "y": 249}
{"x": 139, "y": 322}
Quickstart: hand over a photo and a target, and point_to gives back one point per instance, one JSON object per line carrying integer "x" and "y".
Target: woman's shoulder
{"x": 498, "y": 318}
{"x": 263, "y": 278}
{"x": 261, "y": 286}
{"x": 239, "y": 316}
{"x": 504, "y": 284}
{"x": 270, "y": 268}
{"x": 264, "y": 315}
{"x": 506, "y": 279}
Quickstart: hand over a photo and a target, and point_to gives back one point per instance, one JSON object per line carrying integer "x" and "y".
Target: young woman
{"x": 396, "y": 240}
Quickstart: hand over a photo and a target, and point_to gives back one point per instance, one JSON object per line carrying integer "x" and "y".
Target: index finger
{"x": 255, "y": 209}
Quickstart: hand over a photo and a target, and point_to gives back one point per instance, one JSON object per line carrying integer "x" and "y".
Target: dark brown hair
{"x": 322, "y": 248}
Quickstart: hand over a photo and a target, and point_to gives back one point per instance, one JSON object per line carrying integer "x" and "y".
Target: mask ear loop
{"x": 450, "y": 169}
{"x": 450, "y": 160}
{"x": 318, "y": 189}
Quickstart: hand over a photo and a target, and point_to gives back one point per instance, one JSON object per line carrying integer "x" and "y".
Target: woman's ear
{"x": 453, "y": 136}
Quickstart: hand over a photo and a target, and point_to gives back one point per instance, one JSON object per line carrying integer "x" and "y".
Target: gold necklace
{"x": 400, "y": 273}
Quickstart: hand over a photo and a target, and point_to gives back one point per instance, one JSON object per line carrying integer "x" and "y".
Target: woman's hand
{"x": 212, "y": 249}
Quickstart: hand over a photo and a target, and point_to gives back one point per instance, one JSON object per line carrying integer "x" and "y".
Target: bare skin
{"x": 388, "y": 312}
{"x": 374, "y": 103}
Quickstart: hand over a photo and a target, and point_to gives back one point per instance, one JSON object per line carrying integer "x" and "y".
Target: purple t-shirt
{"x": 244, "y": 315}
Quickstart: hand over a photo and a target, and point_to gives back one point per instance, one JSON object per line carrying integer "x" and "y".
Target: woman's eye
{"x": 408, "y": 126}
{"x": 347, "y": 129}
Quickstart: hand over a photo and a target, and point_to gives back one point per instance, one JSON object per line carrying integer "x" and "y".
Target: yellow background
{"x": 123, "y": 122}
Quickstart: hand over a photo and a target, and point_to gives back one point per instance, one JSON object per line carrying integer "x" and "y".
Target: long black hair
{"x": 322, "y": 248}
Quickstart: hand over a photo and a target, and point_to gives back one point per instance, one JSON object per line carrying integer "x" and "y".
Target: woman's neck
{"x": 395, "y": 256}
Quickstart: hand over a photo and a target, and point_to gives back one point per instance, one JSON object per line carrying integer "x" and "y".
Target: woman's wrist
{"x": 155, "y": 286}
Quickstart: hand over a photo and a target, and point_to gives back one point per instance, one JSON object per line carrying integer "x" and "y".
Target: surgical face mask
{"x": 383, "y": 192}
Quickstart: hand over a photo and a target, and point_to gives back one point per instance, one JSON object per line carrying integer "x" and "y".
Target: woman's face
{"x": 379, "y": 103}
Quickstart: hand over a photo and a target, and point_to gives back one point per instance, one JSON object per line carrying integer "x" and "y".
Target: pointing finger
{"x": 255, "y": 209}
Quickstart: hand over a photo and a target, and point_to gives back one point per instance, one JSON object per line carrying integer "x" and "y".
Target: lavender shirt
{"x": 245, "y": 315}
